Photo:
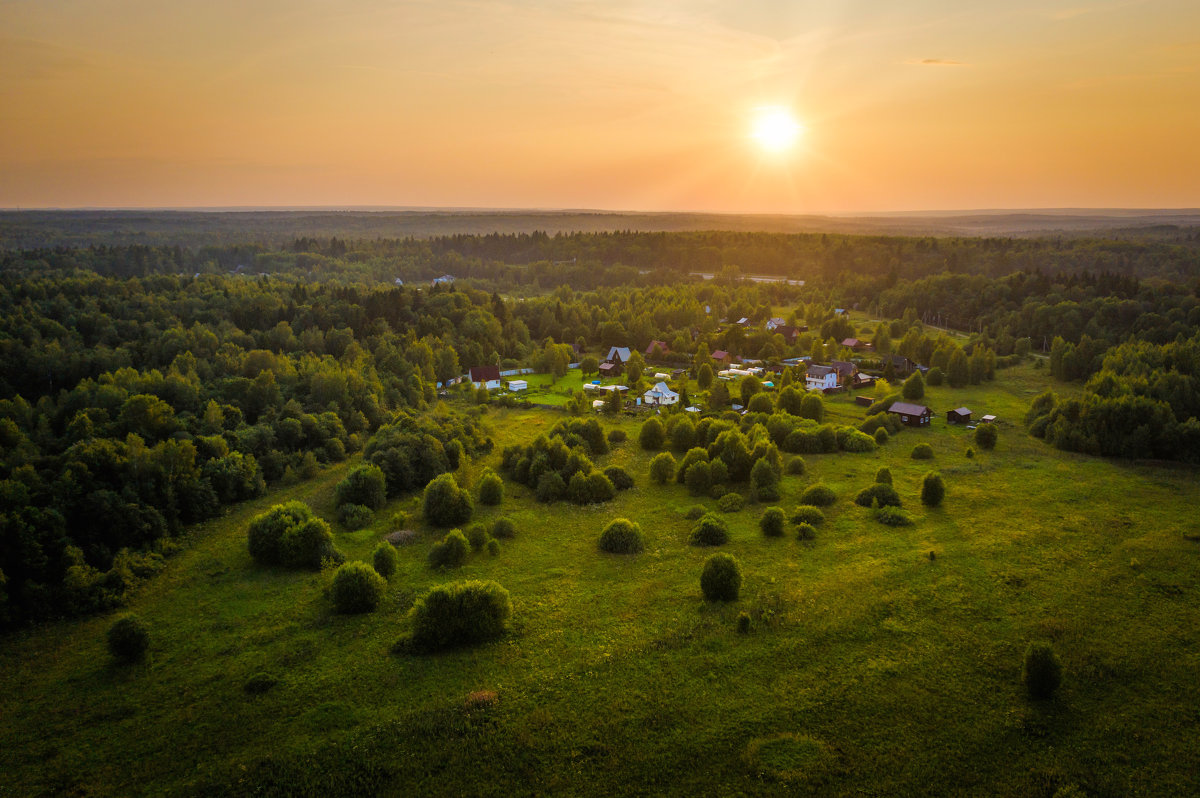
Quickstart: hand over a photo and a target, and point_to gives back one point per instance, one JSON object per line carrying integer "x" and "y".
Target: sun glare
{"x": 775, "y": 129}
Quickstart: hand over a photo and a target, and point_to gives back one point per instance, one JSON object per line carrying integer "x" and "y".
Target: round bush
{"x": 477, "y": 536}
{"x": 1042, "y": 672}
{"x": 385, "y": 560}
{"x": 357, "y": 588}
{"x": 616, "y": 436}
{"x": 856, "y": 442}
{"x": 459, "y": 613}
{"x": 807, "y": 514}
{"x": 445, "y": 503}
{"x": 985, "y": 436}
{"x": 721, "y": 579}
{"x": 619, "y": 477}
{"x": 550, "y": 487}
{"x": 128, "y": 638}
{"x": 621, "y": 536}
{"x": 652, "y": 435}
{"x": 795, "y": 466}
{"x": 922, "y": 451}
{"x": 694, "y": 512}
{"x": 491, "y": 488}
{"x": 451, "y": 552}
{"x": 662, "y": 468}
{"x": 259, "y": 683}
{"x": 710, "y": 530}
{"x": 698, "y": 478}
{"x": 880, "y": 494}
{"x": 933, "y": 490}
{"x": 266, "y": 531}
{"x": 743, "y": 623}
{"x": 970, "y": 453}
{"x": 935, "y": 377}
{"x": 309, "y": 545}
{"x": 884, "y": 476}
{"x": 354, "y": 516}
{"x": 364, "y": 485}
{"x": 772, "y": 521}
{"x": 504, "y": 529}
{"x": 818, "y": 496}
{"x": 881, "y": 436}
{"x": 493, "y": 547}
{"x": 893, "y": 516}
{"x": 731, "y": 503}
{"x": 806, "y": 531}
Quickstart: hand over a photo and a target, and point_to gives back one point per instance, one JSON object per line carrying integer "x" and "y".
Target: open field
{"x": 870, "y": 666}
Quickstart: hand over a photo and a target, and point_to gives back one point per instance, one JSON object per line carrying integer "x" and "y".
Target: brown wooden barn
{"x": 912, "y": 415}
{"x": 960, "y": 415}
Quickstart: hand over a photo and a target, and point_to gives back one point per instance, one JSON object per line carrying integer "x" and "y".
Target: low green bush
{"x": 619, "y": 477}
{"x": 260, "y": 683}
{"x": 881, "y": 436}
{"x": 710, "y": 530}
{"x": 354, "y": 516}
{"x": 985, "y": 436}
{"x": 662, "y": 468}
{"x": 444, "y": 503}
{"x": 884, "y": 475}
{"x": 459, "y": 613}
{"x": 550, "y": 487}
{"x": 893, "y": 516}
{"x": 818, "y": 495}
{"x": 772, "y": 521}
{"x": 365, "y": 485}
{"x": 477, "y": 536}
{"x": 357, "y": 588}
{"x": 795, "y": 466}
{"x": 807, "y": 514}
{"x": 621, "y": 536}
{"x": 933, "y": 490}
{"x": 616, "y": 436}
{"x": 451, "y": 551}
{"x": 1042, "y": 672}
{"x": 805, "y": 531}
{"x": 731, "y": 503}
{"x": 922, "y": 451}
{"x": 128, "y": 638}
{"x": 491, "y": 488}
{"x": 385, "y": 560}
{"x": 694, "y": 512}
{"x": 504, "y": 529}
{"x": 881, "y": 494}
{"x": 721, "y": 579}
{"x": 493, "y": 547}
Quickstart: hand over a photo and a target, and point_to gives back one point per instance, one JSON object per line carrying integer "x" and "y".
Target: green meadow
{"x": 880, "y": 660}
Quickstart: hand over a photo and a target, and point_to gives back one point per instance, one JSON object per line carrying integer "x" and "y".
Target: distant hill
{"x": 42, "y": 228}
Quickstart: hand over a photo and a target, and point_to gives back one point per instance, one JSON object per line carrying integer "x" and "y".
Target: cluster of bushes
{"x": 556, "y": 465}
{"x": 797, "y": 435}
{"x": 458, "y": 614}
{"x": 414, "y": 449}
{"x": 291, "y": 536}
{"x": 363, "y": 491}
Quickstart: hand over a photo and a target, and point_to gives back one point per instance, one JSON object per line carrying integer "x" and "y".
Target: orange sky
{"x": 617, "y": 104}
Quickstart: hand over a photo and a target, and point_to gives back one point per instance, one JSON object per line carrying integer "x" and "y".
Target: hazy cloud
{"x": 937, "y": 62}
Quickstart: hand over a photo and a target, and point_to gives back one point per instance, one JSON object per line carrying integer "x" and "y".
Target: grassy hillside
{"x": 871, "y": 667}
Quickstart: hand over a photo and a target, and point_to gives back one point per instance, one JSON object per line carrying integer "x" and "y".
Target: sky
{"x": 605, "y": 104}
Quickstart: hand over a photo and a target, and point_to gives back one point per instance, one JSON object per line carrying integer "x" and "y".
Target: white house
{"x": 821, "y": 378}
{"x": 485, "y": 376}
{"x": 774, "y": 322}
{"x": 517, "y": 385}
{"x": 661, "y": 394}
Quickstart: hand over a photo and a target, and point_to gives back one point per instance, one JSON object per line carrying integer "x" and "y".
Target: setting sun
{"x": 775, "y": 129}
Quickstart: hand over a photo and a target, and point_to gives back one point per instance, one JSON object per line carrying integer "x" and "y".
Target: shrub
{"x": 399, "y": 520}
{"x": 743, "y": 623}
{"x": 933, "y": 490}
{"x": 357, "y": 588}
{"x": 731, "y": 503}
{"x": 698, "y": 478}
{"x": 721, "y": 579}
{"x": 710, "y": 530}
{"x": 855, "y": 441}
{"x": 504, "y": 529}
{"x": 619, "y": 477}
{"x": 385, "y": 560}
{"x": 652, "y": 435}
{"x": 812, "y": 407}
{"x": 970, "y": 453}
{"x": 922, "y": 451}
{"x": 881, "y": 436}
{"x": 593, "y": 488}
{"x": 493, "y": 547}
{"x": 693, "y": 456}
{"x": 914, "y": 387}
{"x": 128, "y": 638}
{"x": 795, "y": 466}
{"x": 818, "y": 495}
{"x": 1042, "y": 672}
{"x": 621, "y": 536}
{"x": 807, "y": 514}
{"x": 550, "y": 487}
{"x": 364, "y": 485}
{"x": 616, "y": 436}
{"x": 265, "y": 534}
{"x": 459, "y": 613}
{"x": 806, "y": 531}
{"x": 309, "y": 544}
{"x": 771, "y": 522}
{"x": 761, "y": 403}
{"x": 491, "y": 488}
{"x": 893, "y": 516}
{"x": 717, "y": 491}
{"x": 354, "y": 516}
{"x": 880, "y": 494}
{"x": 451, "y": 552}
{"x": 477, "y": 536}
{"x": 694, "y": 512}
{"x": 884, "y": 476}
{"x": 662, "y": 468}
{"x": 445, "y": 503}
{"x": 935, "y": 377}
{"x": 765, "y": 480}
{"x": 985, "y": 436}
{"x": 260, "y": 682}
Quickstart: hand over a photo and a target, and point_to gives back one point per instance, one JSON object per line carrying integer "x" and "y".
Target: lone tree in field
{"x": 933, "y": 490}
{"x": 621, "y": 536}
{"x": 128, "y": 639}
{"x": 1042, "y": 672}
{"x": 652, "y": 435}
{"x": 445, "y": 503}
{"x": 721, "y": 579}
{"x": 364, "y": 485}
{"x": 357, "y": 587}
{"x": 985, "y": 436}
{"x": 914, "y": 387}
{"x": 491, "y": 488}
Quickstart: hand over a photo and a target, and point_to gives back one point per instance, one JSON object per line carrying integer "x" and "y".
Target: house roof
{"x": 786, "y": 330}
{"x": 609, "y": 366}
{"x": 908, "y": 409}
{"x": 844, "y": 366}
{"x": 720, "y": 354}
{"x": 484, "y": 373}
{"x": 962, "y": 411}
{"x": 898, "y": 360}
{"x": 621, "y": 353}
{"x": 661, "y": 389}
{"x": 850, "y": 342}
{"x": 820, "y": 371}
{"x": 662, "y": 347}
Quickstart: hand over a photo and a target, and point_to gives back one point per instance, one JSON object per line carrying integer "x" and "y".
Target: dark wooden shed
{"x": 960, "y": 416}
{"x": 864, "y": 401}
{"x": 912, "y": 415}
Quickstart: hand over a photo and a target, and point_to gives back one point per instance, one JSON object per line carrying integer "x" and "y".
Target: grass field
{"x": 870, "y": 668}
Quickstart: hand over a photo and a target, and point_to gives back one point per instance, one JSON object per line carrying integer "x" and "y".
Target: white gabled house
{"x": 821, "y": 378}
{"x": 660, "y": 394}
{"x": 485, "y": 376}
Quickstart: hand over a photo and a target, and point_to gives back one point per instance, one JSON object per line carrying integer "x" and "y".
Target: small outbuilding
{"x": 864, "y": 401}
{"x": 988, "y": 419}
{"x": 961, "y": 415}
{"x": 518, "y": 385}
{"x": 912, "y": 415}
{"x": 610, "y": 369}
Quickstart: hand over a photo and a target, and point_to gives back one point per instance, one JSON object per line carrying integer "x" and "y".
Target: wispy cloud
{"x": 936, "y": 62}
